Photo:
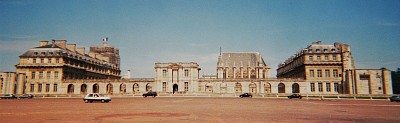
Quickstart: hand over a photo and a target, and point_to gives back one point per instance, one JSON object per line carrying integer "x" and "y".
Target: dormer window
{"x": 42, "y": 53}
{"x": 35, "y": 53}
{"x": 318, "y": 50}
{"x": 325, "y": 50}
{"x": 333, "y": 50}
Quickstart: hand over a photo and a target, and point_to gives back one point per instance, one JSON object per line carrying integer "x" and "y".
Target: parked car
{"x": 91, "y": 97}
{"x": 8, "y": 96}
{"x": 395, "y": 98}
{"x": 152, "y": 93}
{"x": 295, "y": 96}
{"x": 25, "y": 96}
{"x": 245, "y": 95}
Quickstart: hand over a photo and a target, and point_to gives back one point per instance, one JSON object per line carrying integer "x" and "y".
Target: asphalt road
{"x": 194, "y": 109}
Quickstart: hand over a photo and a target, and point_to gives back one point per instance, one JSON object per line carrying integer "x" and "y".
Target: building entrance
{"x": 175, "y": 88}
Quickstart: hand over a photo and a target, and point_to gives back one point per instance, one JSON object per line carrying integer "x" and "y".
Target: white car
{"x": 96, "y": 97}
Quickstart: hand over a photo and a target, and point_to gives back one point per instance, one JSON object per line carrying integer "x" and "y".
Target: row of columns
{"x": 12, "y": 83}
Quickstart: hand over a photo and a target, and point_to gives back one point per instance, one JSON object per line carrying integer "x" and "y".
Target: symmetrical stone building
{"x": 60, "y": 68}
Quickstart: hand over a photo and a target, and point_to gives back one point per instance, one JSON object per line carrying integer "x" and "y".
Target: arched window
{"x": 253, "y": 88}
{"x": 148, "y": 87}
{"x": 83, "y": 89}
{"x": 122, "y": 88}
{"x": 295, "y": 88}
{"x": 70, "y": 89}
{"x": 267, "y": 88}
{"x": 281, "y": 88}
{"x": 135, "y": 88}
{"x": 209, "y": 88}
{"x": 109, "y": 88}
{"x": 96, "y": 88}
{"x": 238, "y": 87}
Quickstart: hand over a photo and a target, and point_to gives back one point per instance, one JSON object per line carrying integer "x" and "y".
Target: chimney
{"x": 52, "y": 42}
{"x": 61, "y": 43}
{"x": 81, "y": 50}
{"x": 71, "y": 47}
{"x": 43, "y": 43}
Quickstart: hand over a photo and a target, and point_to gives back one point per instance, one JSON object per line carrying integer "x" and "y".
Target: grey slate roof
{"x": 241, "y": 59}
{"x": 43, "y": 51}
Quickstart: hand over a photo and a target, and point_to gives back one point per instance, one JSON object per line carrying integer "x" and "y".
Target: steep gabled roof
{"x": 241, "y": 59}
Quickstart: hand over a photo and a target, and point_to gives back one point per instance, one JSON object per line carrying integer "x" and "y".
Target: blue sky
{"x": 149, "y": 31}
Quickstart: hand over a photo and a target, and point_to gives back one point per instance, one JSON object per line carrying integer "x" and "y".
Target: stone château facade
{"x": 60, "y": 68}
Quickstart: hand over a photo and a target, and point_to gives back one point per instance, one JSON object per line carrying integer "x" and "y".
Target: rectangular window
{"x": 58, "y": 60}
{"x": 164, "y": 72}
{"x": 327, "y": 73}
{"x": 335, "y": 73}
{"x": 334, "y": 58}
{"x": 310, "y": 58}
{"x": 39, "y": 87}
{"x": 55, "y": 88}
{"x": 319, "y": 58}
{"x": 56, "y": 75}
{"x": 47, "y": 87}
{"x": 311, "y": 73}
{"x": 34, "y": 60}
{"x": 319, "y": 73}
{"x": 364, "y": 77}
{"x": 326, "y": 58}
{"x": 164, "y": 86}
{"x": 312, "y": 87}
{"x": 42, "y": 60}
{"x": 186, "y": 86}
{"x": 186, "y": 73}
{"x": 48, "y": 74}
{"x": 33, "y": 75}
{"x": 41, "y": 75}
{"x": 335, "y": 87}
{"x": 320, "y": 89}
{"x": 32, "y": 87}
{"x": 328, "y": 87}
{"x": 49, "y": 60}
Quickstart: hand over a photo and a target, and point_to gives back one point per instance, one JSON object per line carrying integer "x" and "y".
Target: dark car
{"x": 245, "y": 95}
{"x": 395, "y": 98}
{"x": 295, "y": 96}
{"x": 153, "y": 94}
{"x": 8, "y": 96}
{"x": 25, "y": 96}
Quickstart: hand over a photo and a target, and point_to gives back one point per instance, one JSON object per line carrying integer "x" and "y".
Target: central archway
{"x": 175, "y": 88}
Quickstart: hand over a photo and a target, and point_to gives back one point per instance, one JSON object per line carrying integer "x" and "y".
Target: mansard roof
{"x": 241, "y": 59}
{"x": 43, "y": 51}
{"x": 317, "y": 47}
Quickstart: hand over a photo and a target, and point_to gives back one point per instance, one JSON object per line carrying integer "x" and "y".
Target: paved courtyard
{"x": 195, "y": 109}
